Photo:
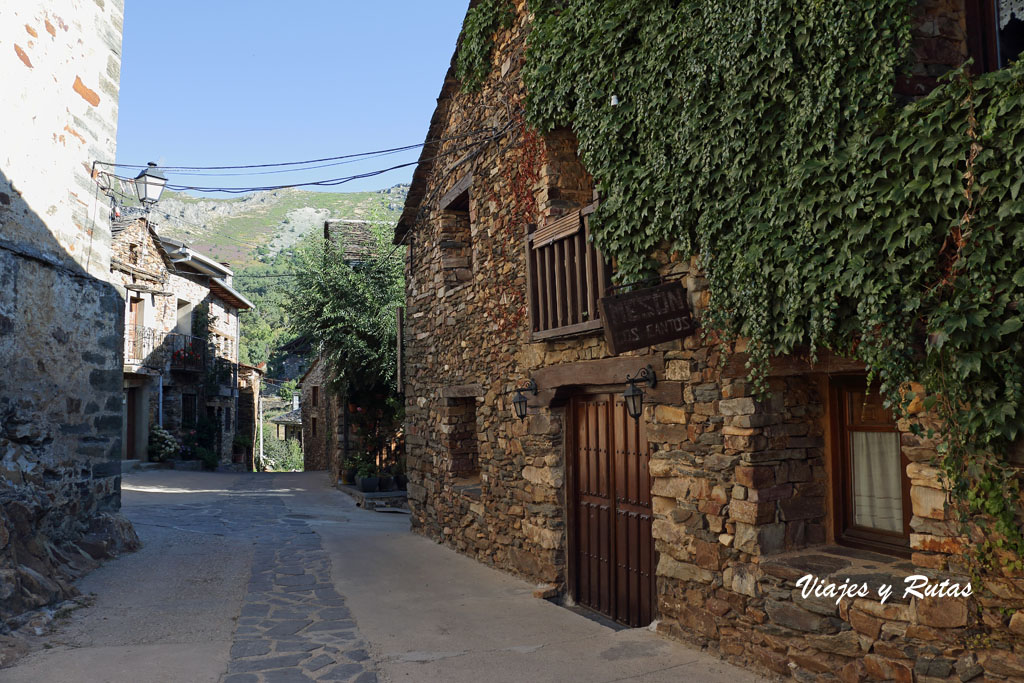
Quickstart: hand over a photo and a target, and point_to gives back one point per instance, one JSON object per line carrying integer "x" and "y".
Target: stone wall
{"x": 317, "y": 446}
{"x": 742, "y": 489}
{"x": 249, "y": 387}
{"x": 140, "y": 265}
{"x": 60, "y": 317}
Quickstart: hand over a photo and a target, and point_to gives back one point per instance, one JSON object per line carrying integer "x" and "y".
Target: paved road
{"x": 277, "y": 578}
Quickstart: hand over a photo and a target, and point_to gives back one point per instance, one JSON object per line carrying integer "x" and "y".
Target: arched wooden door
{"x": 611, "y": 551}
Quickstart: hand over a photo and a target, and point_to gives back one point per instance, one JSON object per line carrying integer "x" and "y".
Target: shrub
{"x": 162, "y": 444}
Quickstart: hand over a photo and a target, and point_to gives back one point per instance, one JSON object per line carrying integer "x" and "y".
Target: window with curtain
{"x": 870, "y": 473}
{"x": 995, "y": 33}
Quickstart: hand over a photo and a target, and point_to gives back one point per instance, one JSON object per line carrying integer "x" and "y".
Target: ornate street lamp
{"x": 634, "y": 395}
{"x": 519, "y": 401}
{"x": 150, "y": 185}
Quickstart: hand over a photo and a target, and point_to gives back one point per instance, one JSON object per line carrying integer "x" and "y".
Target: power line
{"x": 299, "y": 163}
{"x": 331, "y": 182}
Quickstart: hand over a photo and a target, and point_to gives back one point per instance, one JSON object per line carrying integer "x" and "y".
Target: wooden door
{"x": 612, "y": 558}
{"x": 132, "y": 420}
{"x": 131, "y": 341}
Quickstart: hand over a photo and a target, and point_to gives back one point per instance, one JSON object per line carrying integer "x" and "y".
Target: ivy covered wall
{"x": 769, "y": 137}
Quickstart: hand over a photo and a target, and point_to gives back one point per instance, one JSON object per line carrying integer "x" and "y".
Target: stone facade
{"x": 160, "y": 310}
{"x": 320, "y": 413}
{"x": 60, "y": 317}
{"x": 742, "y": 490}
{"x": 250, "y": 383}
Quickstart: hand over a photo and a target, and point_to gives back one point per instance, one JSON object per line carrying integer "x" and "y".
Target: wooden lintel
{"x": 794, "y": 364}
{"x": 451, "y": 195}
{"x": 117, "y": 264}
{"x": 462, "y": 391}
{"x": 597, "y": 372}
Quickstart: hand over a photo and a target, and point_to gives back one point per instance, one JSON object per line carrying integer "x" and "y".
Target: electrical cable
{"x": 297, "y": 163}
{"x": 333, "y": 182}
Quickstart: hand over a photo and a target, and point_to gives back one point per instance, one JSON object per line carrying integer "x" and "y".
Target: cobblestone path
{"x": 294, "y": 626}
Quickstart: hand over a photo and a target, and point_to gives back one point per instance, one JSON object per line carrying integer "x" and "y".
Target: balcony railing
{"x": 141, "y": 346}
{"x": 222, "y": 376}
{"x": 185, "y": 352}
{"x": 566, "y": 277}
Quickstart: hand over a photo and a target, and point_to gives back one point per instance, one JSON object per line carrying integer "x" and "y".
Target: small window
{"x": 871, "y": 484}
{"x": 456, "y": 233}
{"x": 995, "y": 33}
{"x": 566, "y": 275}
{"x": 313, "y": 426}
{"x": 316, "y": 396}
{"x": 188, "y": 410}
{"x": 133, "y": 254}
{"x": 459, "y": 416}
{"x": 184, "y": 318}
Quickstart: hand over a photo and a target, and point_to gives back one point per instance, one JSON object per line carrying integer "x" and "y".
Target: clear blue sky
{"x": 227, "y": 82}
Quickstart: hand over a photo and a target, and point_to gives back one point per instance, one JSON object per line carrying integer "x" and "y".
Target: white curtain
{"x": 877, "y": 493}
{"x": 1009, "y": 9}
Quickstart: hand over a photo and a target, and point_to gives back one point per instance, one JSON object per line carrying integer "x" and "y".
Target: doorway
{"x": 611, "y": 551}
{"x": 131, "y": 419}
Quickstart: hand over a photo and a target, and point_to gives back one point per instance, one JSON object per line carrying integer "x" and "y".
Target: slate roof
{"x": 293, "y": 417}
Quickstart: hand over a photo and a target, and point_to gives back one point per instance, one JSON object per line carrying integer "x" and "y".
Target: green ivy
{"x": 765, "y": 135}
{"x": 476, "y": 44}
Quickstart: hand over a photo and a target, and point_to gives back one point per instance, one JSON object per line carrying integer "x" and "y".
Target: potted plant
{"x": 384, "y": 481}
{"x": 348, "y": 472}
{"x": 401, "y": 480}
{"x": 366, "y": 476}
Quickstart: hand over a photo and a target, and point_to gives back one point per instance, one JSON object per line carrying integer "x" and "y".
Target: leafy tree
{"x": 344, "y": 301}
{"x": 347, "y": 308}
{"x": 287, "y": 390}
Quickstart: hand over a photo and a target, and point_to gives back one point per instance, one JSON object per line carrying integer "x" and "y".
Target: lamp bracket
{"x": 646, "y": 375}
{"x": 530, "y": 385}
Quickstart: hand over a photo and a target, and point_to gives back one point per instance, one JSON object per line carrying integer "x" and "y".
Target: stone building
{"x": 60, "y": 316}
{"x": 317, "y": 437}
{"x": 705, "y": 512}
{"x": 288, "y": 425}
{"x": 250, "y": 418}
{"x": 172, "y": 369}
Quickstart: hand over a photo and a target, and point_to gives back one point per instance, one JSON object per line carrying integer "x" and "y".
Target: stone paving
{"x": 294, "y": 626}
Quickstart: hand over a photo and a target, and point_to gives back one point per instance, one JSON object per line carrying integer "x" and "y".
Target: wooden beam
{"x": 794, "y": 364}
{"x": 568, "y": 330}
{"x": 597, "y": 372}
{"x": 462, "y": 391}
{"x": 451, "y": 195}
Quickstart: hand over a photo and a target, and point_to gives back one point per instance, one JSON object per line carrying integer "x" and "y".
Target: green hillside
{"x": 247, "y": 230}
{"x": 257, "y": 234}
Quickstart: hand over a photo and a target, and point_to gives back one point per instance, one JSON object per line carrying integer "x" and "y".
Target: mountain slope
{"x": 255, "y": 234}
{"x": 249, "y": 229}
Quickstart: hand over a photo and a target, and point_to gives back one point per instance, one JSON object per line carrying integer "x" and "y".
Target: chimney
{"x": 295, "y": 402}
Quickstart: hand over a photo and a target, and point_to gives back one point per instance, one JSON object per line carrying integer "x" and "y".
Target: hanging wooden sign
{"x": 645, "y": 317}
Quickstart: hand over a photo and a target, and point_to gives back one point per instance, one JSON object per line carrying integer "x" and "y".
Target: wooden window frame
{"x": 566, "y": 275}
{"x": 847, "y": 532}
{"x": 982, "y": 21}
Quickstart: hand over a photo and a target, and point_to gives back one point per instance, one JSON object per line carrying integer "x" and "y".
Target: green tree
{"x": 287, "y": 390}
{"x": 344, "y": 301}
{"x": 346, "y": 306}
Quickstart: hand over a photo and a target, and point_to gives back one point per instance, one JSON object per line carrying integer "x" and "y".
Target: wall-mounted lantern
{"x": 519, "y": 400}
{"x": 150, "y": 185}
{"x": 634, "y": 395}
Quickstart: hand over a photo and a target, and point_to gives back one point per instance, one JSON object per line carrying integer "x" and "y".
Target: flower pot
{"x": 401, "y": 482}
{"x": 348, "y": 475}
{"x": 367, "y": 484}
{"x": 384, "y": 482}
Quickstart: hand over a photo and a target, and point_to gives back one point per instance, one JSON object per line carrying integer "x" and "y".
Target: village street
{"x": 276, "y": 577}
